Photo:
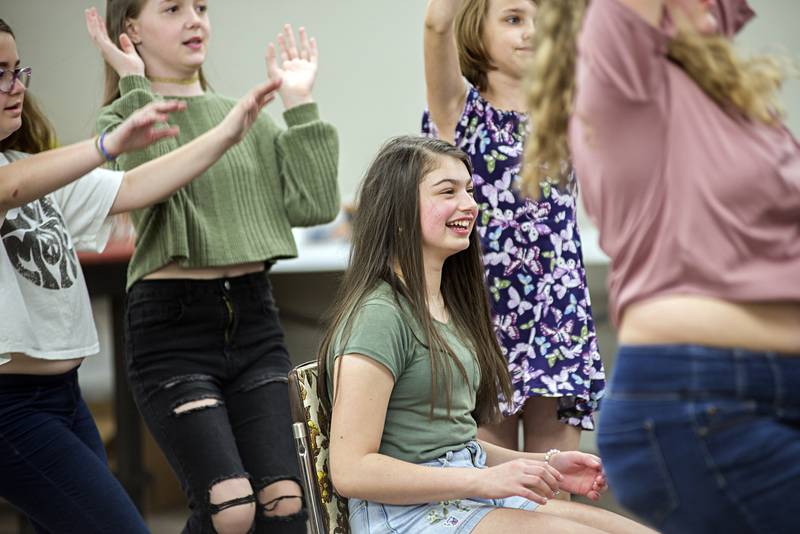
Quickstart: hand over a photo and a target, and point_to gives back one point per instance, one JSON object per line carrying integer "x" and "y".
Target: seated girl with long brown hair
{"x": 410, "y": 365}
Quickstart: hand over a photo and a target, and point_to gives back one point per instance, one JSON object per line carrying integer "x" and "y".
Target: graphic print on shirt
{"x": 38, "y": 245}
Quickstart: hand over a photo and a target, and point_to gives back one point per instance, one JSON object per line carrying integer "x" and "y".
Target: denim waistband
{"x": 20, "y": 380}
{"x": 179, "y": 287}
{"x": 692, "y": 371}
{"x": 471, "y": 455}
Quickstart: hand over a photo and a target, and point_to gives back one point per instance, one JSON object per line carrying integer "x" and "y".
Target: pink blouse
{"x": 688, "y": 199}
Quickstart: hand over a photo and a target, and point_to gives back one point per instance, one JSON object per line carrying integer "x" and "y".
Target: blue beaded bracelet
{"x": 102, "y": 149}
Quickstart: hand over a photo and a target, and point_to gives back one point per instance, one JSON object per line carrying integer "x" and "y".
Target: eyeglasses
{"x": 9, "y": 77}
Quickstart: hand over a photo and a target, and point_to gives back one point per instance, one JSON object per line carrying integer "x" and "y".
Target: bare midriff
{"x": 696, "y": 320}
{"x": 174, "y": 271}
{"x": 22, "y": 364}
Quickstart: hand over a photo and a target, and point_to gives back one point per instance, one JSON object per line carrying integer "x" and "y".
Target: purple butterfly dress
{"x": 534, "y": 269}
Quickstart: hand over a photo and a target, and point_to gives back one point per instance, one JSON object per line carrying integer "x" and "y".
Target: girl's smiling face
{"x": 447, "y": 209}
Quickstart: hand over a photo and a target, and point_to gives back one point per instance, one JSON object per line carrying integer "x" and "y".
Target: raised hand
{"x": 244, "y": 114}
{"x": 583, "y": 473}
{"x": 142, "y": 128}
{"x": 531, "y": 479}
{"x": 123, "y": 59}
{"x": 297, "y": 67}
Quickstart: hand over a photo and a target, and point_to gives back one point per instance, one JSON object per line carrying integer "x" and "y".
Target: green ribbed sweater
{"x": 242, "y": 209}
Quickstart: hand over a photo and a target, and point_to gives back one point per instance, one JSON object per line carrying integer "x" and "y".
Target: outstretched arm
{"x": 446, "y": 91}
{"x": 155, "y": 180}
{"x": 27, "y": 179}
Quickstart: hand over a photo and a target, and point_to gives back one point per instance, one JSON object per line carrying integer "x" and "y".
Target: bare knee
{"x": 232, "y": 506}
{"x": 195, "y": 405}
{"x": 281, "y": 499}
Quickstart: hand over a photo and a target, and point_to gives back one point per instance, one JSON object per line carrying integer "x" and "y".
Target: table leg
{"x": 130, "y": 468}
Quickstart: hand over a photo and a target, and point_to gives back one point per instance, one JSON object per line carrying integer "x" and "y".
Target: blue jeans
{"x": 698, "y": 439}
{"x": 52, "y": 463}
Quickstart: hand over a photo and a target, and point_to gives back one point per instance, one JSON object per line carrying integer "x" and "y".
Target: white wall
{"x": 370, "y": 83}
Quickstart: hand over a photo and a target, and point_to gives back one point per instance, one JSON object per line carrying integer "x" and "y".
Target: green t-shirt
{"x": 387, "y": 334}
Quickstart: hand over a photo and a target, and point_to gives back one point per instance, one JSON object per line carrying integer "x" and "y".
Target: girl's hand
{"x": 297, "y": 69}
{"x": 124, "y": 60}
{"x": 583, "y": 473}
{"x": 244, "y": 114}
{"x": 531, "y": 479}
{"x": 141, "y": 128}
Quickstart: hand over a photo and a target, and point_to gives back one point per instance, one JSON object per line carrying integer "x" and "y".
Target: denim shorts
{"x": 458, "y": 516}
{"x": 698, "y": 439}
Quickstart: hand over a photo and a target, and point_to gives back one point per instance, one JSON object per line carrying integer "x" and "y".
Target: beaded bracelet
{"x": 549, "y": 455}
{"x": 101, "y": 149}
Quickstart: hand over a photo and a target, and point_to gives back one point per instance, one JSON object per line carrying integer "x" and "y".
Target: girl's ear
{"x": 132, "y": 29}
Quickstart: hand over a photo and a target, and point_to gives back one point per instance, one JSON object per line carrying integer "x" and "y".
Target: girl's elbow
{"x": 438, "y": 24}
{"x": 343, "y": 481}
{"x": 9, "y": 196}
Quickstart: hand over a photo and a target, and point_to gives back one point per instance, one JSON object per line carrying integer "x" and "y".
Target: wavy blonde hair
{"x": 745, "y": 87}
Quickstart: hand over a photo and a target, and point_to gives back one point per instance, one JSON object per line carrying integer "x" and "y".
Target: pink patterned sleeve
{"x": 732, "y": 15}
{"x": 622, "y": 50}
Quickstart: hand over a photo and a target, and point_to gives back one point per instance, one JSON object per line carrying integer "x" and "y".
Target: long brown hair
{"x": 36, "y": 133}
{"x": 117, "y": 14}
{"x": 744, "y": 87}
{"x": 387, "y": 234}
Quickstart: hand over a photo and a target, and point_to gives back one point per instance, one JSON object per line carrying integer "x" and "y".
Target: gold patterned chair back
{"x": 327, "y": 511}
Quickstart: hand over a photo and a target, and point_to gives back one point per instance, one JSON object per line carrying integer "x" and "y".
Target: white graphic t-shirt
{"x": 44, "y": 305}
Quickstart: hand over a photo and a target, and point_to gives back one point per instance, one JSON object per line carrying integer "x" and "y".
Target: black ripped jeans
{"x": 217, "y": 341}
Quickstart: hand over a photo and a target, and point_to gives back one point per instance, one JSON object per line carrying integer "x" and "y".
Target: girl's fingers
{"x": 161, "y": 133}
{"x": 265, "y": 93}
{"x": 545, "y": 485}
{"x": 305, "y": 51}
{"x": 126, "y": 44}
{"x": 92, "y": 26}
{"x": 266, "y": 99}
{"x": 532, "y": 496}
{"x": 272, "y": 66}
{"x": 314, "y": 51}
{"x": 553, "y": 472}
{"x": 287, "y": 29}
{"x": 284, "y": 53}
{"x": 168, "y": 106}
